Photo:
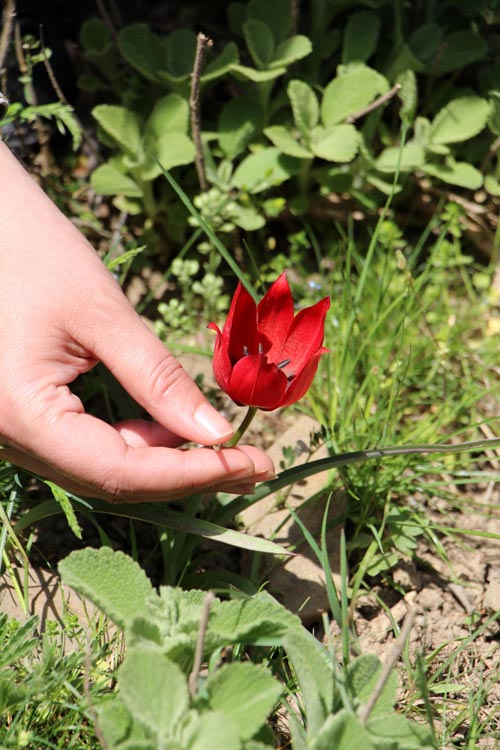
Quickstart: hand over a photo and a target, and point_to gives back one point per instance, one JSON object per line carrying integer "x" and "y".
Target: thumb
{"x": 150, "y": 374}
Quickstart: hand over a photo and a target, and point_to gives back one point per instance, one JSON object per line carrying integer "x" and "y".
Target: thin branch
{"x": 41, "y": 130}
{"x": 50, "y": 71}
{"x": 375, "y": 104}
{"x": 200, "y": 644}
{"x": 202, "y": 42}
{"x": 8, "y": 15}
{"x": 106, "y": 18}
{"x": 395, "y": 653}
{"x": 294, "y": 16}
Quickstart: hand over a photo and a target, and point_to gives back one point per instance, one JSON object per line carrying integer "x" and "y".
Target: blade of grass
{"x": 209, "y": 232}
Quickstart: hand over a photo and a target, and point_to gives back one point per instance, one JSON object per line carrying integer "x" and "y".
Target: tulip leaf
{"x": 161, "y": 517}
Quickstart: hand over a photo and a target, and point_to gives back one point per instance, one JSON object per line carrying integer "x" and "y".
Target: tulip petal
{"x": 256, "y": 382}
{"x": 240, "y": 330}
{"x": 305, "y": 336}
{"x": 221, "y": 362}
{"x": 301, "y": 384}
{"x": 274, "y": 317}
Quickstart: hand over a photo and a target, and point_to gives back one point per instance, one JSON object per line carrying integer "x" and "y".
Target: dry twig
{"x": 395, "y": 653}
{"x": 202, "y": 43}
{"x": 375, "y": 104}
{"x": 200, "y": 644}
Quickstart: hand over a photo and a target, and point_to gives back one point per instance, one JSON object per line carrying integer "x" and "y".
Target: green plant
{"x": 306, "y": 116}
{"x": 164, "y": 700}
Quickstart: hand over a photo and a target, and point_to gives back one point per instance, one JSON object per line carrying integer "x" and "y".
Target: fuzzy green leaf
{"x": 459, "y": 120}
{"x": 260, "y": 42}
{"x": 424, "y": 42}
{"x": 180, "y": 53}
{"x": 360, "y": 36}
{"x": 213, "y": 729}
{"x": 408, "y": 94}
{"x": 258, "y": 76}
{"x": 264, "y": 169}
{"x": 239, "y": 120}
{"x": 122, "y": 126}
{"x": 492, "y": 185}
{"x": 108, "y": 180}
{"x": 394, "y": 730}
{"x": 244, "y": 692}
{"x": 143, "y": 50}
{"x": 171, "y": 150}
{"x": 94, "y": 35}
{"x": 170, "y": 113}
{"x": 342, "y": 731}
{"x": 494, "y": 118}
{"x": 283, "y": 139}
{"x": 305, "y": 106}
{"x": 461, "y": 48}
{"x": 290, "y": 50}
{"x": 408, "y": 159}
{"x": 221, "y": 64}
{"x": 456, "y": 173}
{"x": 154, "y": 690}
{"x": 350, "y": 92}
{"x": 314, "y": 674}
{"x": 276, "y": 15}
{"x": 339, "y": 143}
{"x": 111, "y": 580}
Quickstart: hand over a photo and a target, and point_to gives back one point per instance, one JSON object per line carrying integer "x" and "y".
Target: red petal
{"x": 256, "y": 382}
{"x": 274, "y": 317}
{"x": 240, "y": 329}
{"x": 301, "y": 384}
{"x": 305, "y": 336}
{"x": 221, "y": 363}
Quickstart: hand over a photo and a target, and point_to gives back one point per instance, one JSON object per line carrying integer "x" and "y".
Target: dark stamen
{"x": 261, "y": 349}
{"x": 245, "y": 351}
{"x": 285, "y": 362}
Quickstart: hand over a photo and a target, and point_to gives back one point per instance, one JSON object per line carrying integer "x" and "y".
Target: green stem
{"x": 252, "y": 411}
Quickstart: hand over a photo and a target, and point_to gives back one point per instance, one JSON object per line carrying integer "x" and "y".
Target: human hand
{"x": 61, "y": 312}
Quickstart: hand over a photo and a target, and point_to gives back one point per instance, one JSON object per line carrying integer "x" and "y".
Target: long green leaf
{"x": 162, "y": 517}
{"x": 299, "y": 473}
{"x": 208, "y": 231}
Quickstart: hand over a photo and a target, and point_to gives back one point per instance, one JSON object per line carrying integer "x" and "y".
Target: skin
{"x": 61, "y": 312}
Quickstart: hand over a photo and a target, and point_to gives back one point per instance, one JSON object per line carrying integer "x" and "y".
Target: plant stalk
{"x": 252, "y": 411}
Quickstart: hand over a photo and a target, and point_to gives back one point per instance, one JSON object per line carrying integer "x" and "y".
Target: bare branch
{"x": 367, "y": 708}
{"x": 202, "y": 43}
{"x": 375, "y": 104}
{"x": 200, "y": 644}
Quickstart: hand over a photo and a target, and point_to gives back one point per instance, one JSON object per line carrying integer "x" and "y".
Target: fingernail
{"x": 213, "y": 423}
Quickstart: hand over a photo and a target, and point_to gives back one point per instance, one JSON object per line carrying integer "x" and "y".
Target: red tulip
{"x": 266, "y": 356}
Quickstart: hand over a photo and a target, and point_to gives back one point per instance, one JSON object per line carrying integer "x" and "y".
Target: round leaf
{"x": 459, "y": 120}
{"x": 350, "y": 92}
{"x": 339, "y": 143}
{"x": 264, "y": 169}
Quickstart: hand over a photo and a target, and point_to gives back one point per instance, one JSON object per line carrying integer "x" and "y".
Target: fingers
{"x": 92, "y": 458}
{"x": 152, "y": 376}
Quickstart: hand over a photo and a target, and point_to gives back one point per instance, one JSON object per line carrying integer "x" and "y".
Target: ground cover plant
{"x": 306, "y": 120}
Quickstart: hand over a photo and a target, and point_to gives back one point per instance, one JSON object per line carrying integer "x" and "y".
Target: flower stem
{"x": 252, "y": 411}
